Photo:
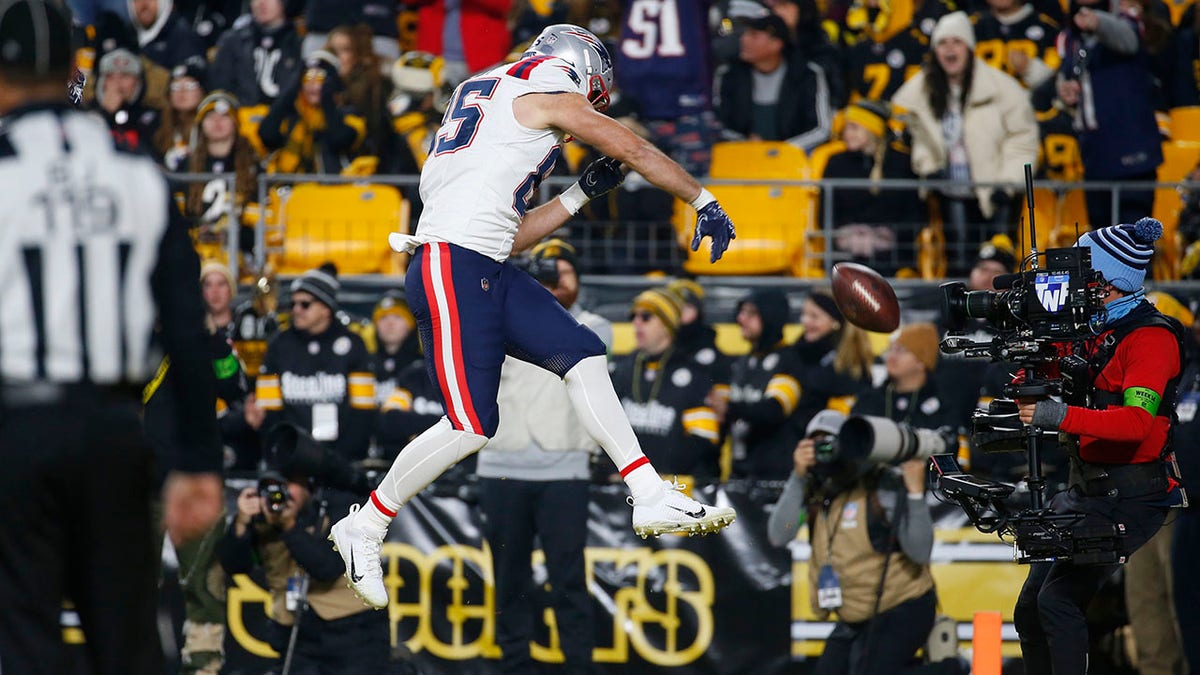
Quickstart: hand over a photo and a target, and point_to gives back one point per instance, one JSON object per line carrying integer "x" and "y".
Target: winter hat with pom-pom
{"x": 1122, "y": 252}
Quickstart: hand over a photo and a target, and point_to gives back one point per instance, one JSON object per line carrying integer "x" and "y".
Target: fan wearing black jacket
{"x": 910, "y": 394}
{"x": 696, "y": 336}
{"x": 663, "y": 392}
{"x": 773, "y": 92}
{"x": 764, "y": 391}
{"x": 255, "y": 61}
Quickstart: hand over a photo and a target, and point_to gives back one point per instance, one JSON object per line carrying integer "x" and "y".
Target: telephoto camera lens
{"x": 882, "y": 441}
{"x": 959, "y": 305}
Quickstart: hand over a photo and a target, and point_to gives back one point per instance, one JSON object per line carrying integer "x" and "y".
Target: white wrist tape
{"x": 703, "y": 199}
{"x": 573, "y": 198}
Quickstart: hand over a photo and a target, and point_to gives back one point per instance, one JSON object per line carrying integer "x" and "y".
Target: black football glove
{"x": 601, "y": 176}
{"x": 712, "y": 221}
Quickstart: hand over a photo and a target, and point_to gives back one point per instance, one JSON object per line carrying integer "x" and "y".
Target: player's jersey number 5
{"x": 462, "y": 123}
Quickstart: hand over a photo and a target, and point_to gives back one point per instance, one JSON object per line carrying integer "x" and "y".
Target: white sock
{"x": 376, "y": 514}
{"x": 600, "y": 412}
{"x": 426, "y": 457}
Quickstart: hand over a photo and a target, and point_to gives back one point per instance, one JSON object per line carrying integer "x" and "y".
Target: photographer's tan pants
{"x": 1150, "y": 606}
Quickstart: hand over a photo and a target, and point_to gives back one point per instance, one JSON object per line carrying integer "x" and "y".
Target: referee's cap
{"x": 35, "y": 37}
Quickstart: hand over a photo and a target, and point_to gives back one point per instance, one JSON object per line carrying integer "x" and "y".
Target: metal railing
{"x": 637, "y": 246}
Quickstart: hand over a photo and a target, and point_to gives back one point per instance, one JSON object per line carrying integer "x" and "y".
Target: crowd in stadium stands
{"x": 965, "y": 93}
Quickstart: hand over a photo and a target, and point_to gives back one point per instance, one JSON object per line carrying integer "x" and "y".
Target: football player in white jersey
{"x": 501, "y": 135}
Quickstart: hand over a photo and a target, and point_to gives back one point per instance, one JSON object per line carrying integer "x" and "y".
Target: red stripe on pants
{"x": 439, "y": 350}
{"x": 460, "y": 364}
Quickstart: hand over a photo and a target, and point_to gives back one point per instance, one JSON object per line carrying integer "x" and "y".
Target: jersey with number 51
{"x": 486, "y": 166}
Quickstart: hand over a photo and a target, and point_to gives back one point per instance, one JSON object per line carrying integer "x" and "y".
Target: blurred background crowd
{"x": 929, "y": 108}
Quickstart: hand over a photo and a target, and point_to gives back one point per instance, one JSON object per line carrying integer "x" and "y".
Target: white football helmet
{"x": 583, "y": 50}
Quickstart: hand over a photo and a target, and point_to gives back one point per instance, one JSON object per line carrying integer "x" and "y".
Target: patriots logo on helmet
{"x": 595, "y": 42}
{"x": 585, "y": 36}
{"x": 571, "y": 74}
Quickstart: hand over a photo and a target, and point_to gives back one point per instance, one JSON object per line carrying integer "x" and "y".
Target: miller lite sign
{"x": 1052, "y": 290}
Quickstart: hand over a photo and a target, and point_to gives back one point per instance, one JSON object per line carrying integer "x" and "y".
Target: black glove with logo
{"x": 712, "y": 221}
{"x": 601, "y": 176}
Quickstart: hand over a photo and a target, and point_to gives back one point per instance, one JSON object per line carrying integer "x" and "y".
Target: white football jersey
{"x": 485, "y": 167}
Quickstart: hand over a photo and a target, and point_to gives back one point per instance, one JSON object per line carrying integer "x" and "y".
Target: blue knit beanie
{"x": 1122, "y": 252}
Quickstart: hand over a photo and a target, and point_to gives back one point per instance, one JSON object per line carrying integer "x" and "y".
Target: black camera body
{"x": 292, "y": 451}
{"x": 545, "y": 270}
{"x": 1060, "y": 302}
{"x": 1038, "y": 311}
{"x": 273, "y": 489}
{"x": 1035, "y": 314}
{"x": 826, "y": 450}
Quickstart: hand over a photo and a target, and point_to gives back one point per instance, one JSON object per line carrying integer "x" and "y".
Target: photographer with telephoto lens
{"x": 872, "y": 536}
{"x": 282, "y": 524}
{"x": 1116, "y": 444}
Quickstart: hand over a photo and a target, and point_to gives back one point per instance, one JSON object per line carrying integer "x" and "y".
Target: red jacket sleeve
{"x": 1146, "y": 358}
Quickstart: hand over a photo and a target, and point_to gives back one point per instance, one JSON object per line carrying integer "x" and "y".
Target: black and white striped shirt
{"x": 90, "y": 247}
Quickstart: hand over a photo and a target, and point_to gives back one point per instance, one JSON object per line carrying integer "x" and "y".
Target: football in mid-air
{"x": 866, "y": 299}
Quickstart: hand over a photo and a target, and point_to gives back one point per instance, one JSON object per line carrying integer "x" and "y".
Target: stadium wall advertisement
{"x": 717, "y": 604}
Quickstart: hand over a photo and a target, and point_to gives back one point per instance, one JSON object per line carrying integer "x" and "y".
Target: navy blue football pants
{"x": 471, "y": 311}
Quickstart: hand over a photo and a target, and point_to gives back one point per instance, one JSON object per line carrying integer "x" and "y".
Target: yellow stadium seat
{"x": 931, "y": 251}
{"x": 820, "y": 157}
{"x": 344, "y": 224}
{"x": 770, "y": 230}
{"x": 1179, "y": 158}
{"x": 771, "y": 220}
{"x": 1071, "y": 220}
{"x": 1185, "y": 123}
{"x": 812, "y": 264}
{"x": 758, "y": 160}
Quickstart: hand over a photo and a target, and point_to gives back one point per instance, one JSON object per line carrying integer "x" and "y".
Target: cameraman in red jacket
{"x": 1118, "y": 475}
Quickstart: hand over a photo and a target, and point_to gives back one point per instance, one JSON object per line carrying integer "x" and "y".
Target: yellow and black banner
{"x": 716, "y": 604}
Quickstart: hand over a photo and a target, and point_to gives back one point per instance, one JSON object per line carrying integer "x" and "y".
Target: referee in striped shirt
{"x": 89, "y": 249}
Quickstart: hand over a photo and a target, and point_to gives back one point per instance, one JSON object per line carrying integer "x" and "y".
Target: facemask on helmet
{"x": 585, "y": 52}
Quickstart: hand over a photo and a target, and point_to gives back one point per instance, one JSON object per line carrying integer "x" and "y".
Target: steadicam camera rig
{"x": 1038, "y": 311}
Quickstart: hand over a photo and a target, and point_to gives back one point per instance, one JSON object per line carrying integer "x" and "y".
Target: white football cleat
{"x": 360, "y": 551}
{"x": 673, "y": 511}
